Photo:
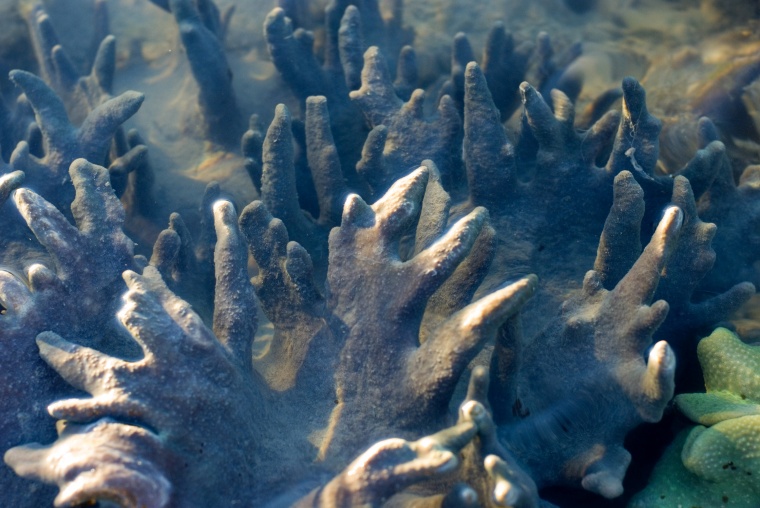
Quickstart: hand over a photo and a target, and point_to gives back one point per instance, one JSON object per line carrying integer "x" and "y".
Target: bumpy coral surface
{"x": 716, "y": 464}
{"x": 393, "y": 274}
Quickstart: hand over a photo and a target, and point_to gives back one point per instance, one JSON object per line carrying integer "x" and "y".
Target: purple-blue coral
{"x": 421, "y": 285}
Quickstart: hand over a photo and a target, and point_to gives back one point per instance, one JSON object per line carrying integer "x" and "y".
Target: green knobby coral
{"x": 719, "y": 463}
{"x": 732, "y": 379}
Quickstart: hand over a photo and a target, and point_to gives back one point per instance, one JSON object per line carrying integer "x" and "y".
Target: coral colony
{"x": 473, "y": 295}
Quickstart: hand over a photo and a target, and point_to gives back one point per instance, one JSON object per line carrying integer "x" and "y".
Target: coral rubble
{"x": 406, "y": 291}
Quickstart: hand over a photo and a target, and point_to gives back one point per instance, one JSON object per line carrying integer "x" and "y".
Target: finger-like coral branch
{"x": 406, "y": 125}
{"x": 101, "y": 461}
{"x": 62, "y": 142}
{"x": 208, "y": 63}
{"x": 175, "y": 343}
{"x": 607, "y": 333}
{"x": 392, "y": 465}
{"x": 364, "y": 253}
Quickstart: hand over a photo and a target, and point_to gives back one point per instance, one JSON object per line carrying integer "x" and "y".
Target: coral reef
{"x": 715, "y": 463}
{"x": 460, "y": 284}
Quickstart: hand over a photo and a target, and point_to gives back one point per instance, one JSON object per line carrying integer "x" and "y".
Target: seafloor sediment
{"x": 379, "y": 253}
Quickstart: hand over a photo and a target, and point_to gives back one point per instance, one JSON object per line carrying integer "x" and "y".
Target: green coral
{"x": 732, "y": 379}
{"x": 719, "y": 461}
{"x": 674, "y": 486}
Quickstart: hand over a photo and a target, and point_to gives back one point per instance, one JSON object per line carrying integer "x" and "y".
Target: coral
{"x": 291, "y": 52}
{"x": 733, "y": 204}
{"x": 202, "y": 32}
{"x": 447, "y": 284}
{"x": 426, "y": 373}
{"x": 608, "y": 352}
{"x": 278, "y": 177}
{"x": 62, "y": 143}
{"x": 557, "y": 243}
{"x": 715, "y": 463}
{"x": 672, "y": 484}
{"x": 175, "y": 342}
{"x": 398, "y": 125}
{"x": 504, "y": 483}
{"x": 503, "y": 65}
{"x": 84, "y": 265}
{"x": 730, "y": 368}
{"x": 112, "y": 463}
{"x": 391, "y": 465}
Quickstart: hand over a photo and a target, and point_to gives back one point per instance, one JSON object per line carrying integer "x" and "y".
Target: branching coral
{"x": 111, "y": 462}
{"x": 175, "y": 343}
{"x": 552, "y": 240}
{"x": 202, "y": 30}
{"x": 291, "y": 52}
{"x": 62, "y": 142}
{"x": 377, "y": 349}
{"x": 316, "y": 350}
{"x": 399, "y": 125}
{"x": 608, "y": 350}
{"x": 96, "y": 250}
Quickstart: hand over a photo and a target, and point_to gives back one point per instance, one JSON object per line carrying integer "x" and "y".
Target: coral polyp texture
{"x": 716, "y": 462}
{"x": 410, "y": 281}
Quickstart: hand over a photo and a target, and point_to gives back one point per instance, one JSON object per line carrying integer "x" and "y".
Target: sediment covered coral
{"x": 85, "y": 265}
{"x": 369, "y": 329}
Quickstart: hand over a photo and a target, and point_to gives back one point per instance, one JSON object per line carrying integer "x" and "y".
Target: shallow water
{"x": 262, "y": 299}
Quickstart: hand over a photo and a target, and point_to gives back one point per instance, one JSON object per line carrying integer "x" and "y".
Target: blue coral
{"x": 466, "y": 294}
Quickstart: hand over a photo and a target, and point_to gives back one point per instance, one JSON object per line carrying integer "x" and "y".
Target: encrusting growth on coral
{"x": 405, "y": 291}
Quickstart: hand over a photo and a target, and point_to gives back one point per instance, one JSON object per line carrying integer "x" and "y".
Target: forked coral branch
{"x": 364, "y": 284}
{"x": 104, "y": 460}
{"x": 62, "y": 142}
{"x": 607, "y": 334}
